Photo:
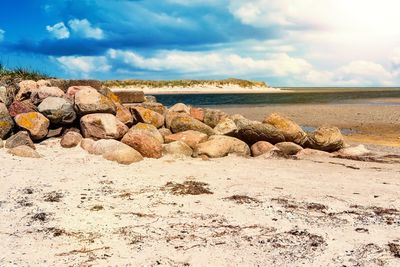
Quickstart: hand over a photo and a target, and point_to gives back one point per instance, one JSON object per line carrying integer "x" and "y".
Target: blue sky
{"x": 282, "y": 42}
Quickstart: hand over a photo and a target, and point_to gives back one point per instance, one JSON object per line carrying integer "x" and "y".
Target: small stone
{"x": 70, "y": 139}
{"x": 289, "y": 148}
{"x": 261, "y": 147}
{"x": 124, "y": 156}
{"x": 6, "y": 122}
{"x": 24, "y": 151}
{"x": 19, "y": 139}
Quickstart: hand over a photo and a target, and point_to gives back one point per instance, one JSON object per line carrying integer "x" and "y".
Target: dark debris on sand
{"x": 187, "y": 188}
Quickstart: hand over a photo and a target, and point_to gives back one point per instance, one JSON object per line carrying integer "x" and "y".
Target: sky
{"x": 281, "y": 42}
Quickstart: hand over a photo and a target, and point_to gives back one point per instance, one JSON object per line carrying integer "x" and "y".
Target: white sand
{"x": 143, "y": 225}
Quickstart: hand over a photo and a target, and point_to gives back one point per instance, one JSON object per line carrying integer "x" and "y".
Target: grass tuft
{"x": 21, "y": 73}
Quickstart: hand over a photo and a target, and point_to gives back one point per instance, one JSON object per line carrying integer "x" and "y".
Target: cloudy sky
{"x": 282, "y": 42}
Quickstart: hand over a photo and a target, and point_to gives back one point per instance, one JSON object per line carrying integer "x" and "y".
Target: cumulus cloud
{"x": 84, "y": 66}
{"x": 85, "y": 29}
{"x": 59, "y": 30}
{"x": 2, "y": 32}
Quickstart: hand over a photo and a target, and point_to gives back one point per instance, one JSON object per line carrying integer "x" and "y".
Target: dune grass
{"x": 21, "y": 73}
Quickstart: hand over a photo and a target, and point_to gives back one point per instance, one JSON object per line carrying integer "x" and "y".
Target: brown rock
{"x": 177, "y": 148}
{"x": 148, "y": 116}
{"x": 26, "y": 88}
{"x": 169, "y": 116}
{"x": 7, "y": 94}
{"x": 65, "y": 84}
{"x": 184, "y": 123}
{"x": 219, "y": 146}
{"x": 290, "y": 130}
{"x": 19, "y": 107}
{"x": 71, "y": 91}
{"x": 19, "y": 139}
{"x": 164, "y": 132}
{"x": 146, "y": 144}
{"x": 308, "y": 153}
{"x": 149, "y": 129}
{"x": 251, "y": 132}
{"x": 191, "y": 138}
{"x": 225, "y": 127}
{"x": 124, "y": 156}
{"x": 180, "y": 108}
{"x": 327, "y": 139}
{"x": 55, "y": 132}
{"x": 35, "y": 123}
{"x": 123, "y": 114}
{"x": 1, "y": 143}
{"x": 129, "y": 96}
{"x": 24, "y": 151}
{"x": 6, "y": 122}
{"x": 261, "y": 147}
{"x": 70, "y": 139}
{"x": 87, "y": 144}
{"x": 213, "y": 116}
{"x": 197, "y": 113}
{"x": 44, "y": 92}
{"x": 89, "y": 101}
{"x": 157, "y": 107}
{"x": 289, "y": 148}
{"x": 102, "y": 126}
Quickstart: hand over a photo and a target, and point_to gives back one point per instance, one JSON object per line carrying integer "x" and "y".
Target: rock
{"x": 7, "y": 95}
{"x": 150, "y": 99}
{"x": 184, "y": 123}
{"x": 180, "y": 108}
{"x": 102, "y": 126}
{"x": 6, "y": 122}
{"x": 308, "y": 153}
{"x": 241, "y": 121}
{"x": 41, "y": 83}
{"x": 125, "y": 156}
{"x": 251, "y": 132}
{"x": 20, "y": 139}
{"x": 71, "y": 91}
{"x": 177, "y": 148}
{"x": 109, "y": 94}
{"x": 65, "y": 84}
{"x": 213, "y": 116}
{"x": 191, "y": 138}
{"x": 1, "y": 143}
{"x": 274, "y": 154}
{"x": 87, "y": 144}
{"x": 220, "y": 146}
{"x": 102, "y": 146}
{"x": 45, "y": 92}
{"x": 26, "y": 88}
{"x": 57, "y": 110}
{"x": 290, "y": 130}
{"x": 261, "y": 147}
{"x": 225, "y": 127}
{"x": 70, "y": 139}
{"x": 164, "y": 132}
{"x": 35, "y": 123}
{"x": 24, "y": 151}
{"x": 157, "y": 107}
{"x": 19, "y": 107}
{"x": 289, "y": 148}
{"x": 197, "y": 113}
{"x": 129, "y": 96}
{"x": 123, "y": 114}
{"x": 54, "y": 132}
{"x": 355, "y": 151}
{"x": 169, "y": 116}
{"x": 89, "y": 101}
{"x": 327, "y": 139}
{"x": 146, "y": 144}
{"x": 149, "y": 129}
{"x": 148, "y": 116}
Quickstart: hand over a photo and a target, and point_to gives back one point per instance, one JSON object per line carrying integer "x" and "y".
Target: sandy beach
{"x": 81, "y": 210}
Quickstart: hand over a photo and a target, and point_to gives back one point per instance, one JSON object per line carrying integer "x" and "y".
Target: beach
{"x": 78, "y": 209}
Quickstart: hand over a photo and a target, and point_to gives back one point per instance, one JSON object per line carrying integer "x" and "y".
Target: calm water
{"x": 300, "y": 96}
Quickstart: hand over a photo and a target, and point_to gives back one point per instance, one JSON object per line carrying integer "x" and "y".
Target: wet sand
{"x": 364, "y": 123}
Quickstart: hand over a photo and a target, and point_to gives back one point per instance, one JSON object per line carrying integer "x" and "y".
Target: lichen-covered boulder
{"x": 157, "y": 107}
{"x": 43, "y": 92}
{"x": 88, "y": 101}
{"x": 102, "y": 126}
{"x": 289, "y": 148}
{"x": 123, "y": 114}
{"x": 326, "y": 138}
{"x": 220, "y": 146}
{"x": 177, "y": 149}
{"x": 126, "y": 155}
{"x": 6, "y": 122}
{"x": 35, "y": 123}
{"x": 58, "y": 110}
{"x": 185, "y": 123}
{"x": 190, "y": 137}
{"x": 70, "y": 139}
{"x": 148, "y": 116}
{"x": 225, "y": 127}
{"x": 19, "y": 107}
{"x": 213, "y": 116}
{"x": 290, "y": 130}
{"x": 21, "y": 138}
{"x": 164, "y": 132}
{"x": 24, "y": 151}
{"x": 261, "y": 147}
{"x": 251, "y": 133}
{"x": 150, "y": 130}
{"x": 147, "y": 145}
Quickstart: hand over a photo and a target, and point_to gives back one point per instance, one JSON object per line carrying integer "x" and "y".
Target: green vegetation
{"x": 21, "y": 73}
{"x": 182, "y": 83}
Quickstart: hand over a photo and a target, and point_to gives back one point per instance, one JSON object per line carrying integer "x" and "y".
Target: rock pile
{"x": 126, "y": 132}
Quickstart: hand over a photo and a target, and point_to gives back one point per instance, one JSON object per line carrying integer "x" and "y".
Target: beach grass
{"x": 21, "y": 73}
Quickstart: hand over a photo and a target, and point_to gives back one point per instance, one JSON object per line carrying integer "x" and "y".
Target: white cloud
{"x": 85, "y": 29}
{"x": 84, "y": 65}
{"x": 2, "y": 32}
{"x": 59, "y": 30}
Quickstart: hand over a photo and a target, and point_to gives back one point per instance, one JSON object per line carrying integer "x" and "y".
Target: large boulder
{"x": 7, "y": 95}
{"x": 21, "y": 138}
{"x": 289, "y": 148}
{"x": 129, "y": 96}
{"x": 150, "y": 130}
{"x": 71, "y": 139}
{"x": 178, "y": 149}
{"x": 213, "y": 116}
{"x": 44, "y": 92}
{"x": 197, "y": 113}
{"x": 190, "y": 137}
{"x": 19, "y": 107}
{"x": 326, "y": 138}
{"x": 157, "y": 107}
{"x": 24, "y": 151}
{"x": 225, "y": 127}
{"x": 123, "y": 114}
{"x": 180, "y": 108}
{"x": 6, "y": 122}
{"x": 261, "y": 147}
{"x": 290, "y": 130}
{"x": 71, "y": 91}
{"x": 126, "y": 155}
{"x": 251, "y": 132}
{"x": 88, "y": 143}
{"x": 185, "y": 123}
{"x": 146, "y": 144}
{"x": 36, "y": 124}
{"x": 26, "y": 89}
{"x": 89, "y": 101}
{"x": 148, "y": 116}
{"x": 170, "y": 116}
{"x": 102, "y": 126}
{"x": 57, "y": 110}
{"x": 220, "y": 146}
{"x": 164, "y": 132}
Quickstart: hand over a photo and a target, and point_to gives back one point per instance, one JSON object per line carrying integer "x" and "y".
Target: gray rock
{"x": 21, "y": 138}
{"x": 57, "y": 110}
{"x": 88, "y": 101}
{"x": 328, "y": 139}
{"x": 213, "y": 116}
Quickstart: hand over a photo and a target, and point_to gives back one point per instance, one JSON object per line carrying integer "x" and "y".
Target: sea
{"x": 305, "y": 95}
